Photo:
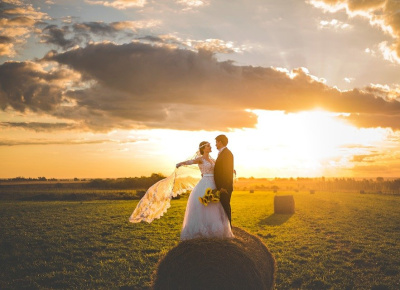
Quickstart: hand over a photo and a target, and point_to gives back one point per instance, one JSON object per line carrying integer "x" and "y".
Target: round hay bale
{"x": 240, "y": 263}
{"x": 284, "y": 204}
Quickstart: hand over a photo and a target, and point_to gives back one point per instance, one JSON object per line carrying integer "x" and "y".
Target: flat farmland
{"x": 333, "y": 241}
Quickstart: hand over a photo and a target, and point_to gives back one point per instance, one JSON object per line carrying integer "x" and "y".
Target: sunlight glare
{"x": 311, "y": 143}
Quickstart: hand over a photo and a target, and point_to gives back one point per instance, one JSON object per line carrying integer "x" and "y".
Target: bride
{"x": 200, "y": 221}
{"x": 208, "y": 221}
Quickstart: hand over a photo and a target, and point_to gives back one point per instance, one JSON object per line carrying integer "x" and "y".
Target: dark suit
{"x": 223, "y": 177}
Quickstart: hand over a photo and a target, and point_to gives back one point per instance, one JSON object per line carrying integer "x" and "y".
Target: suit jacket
{"x": 223, "y": 170}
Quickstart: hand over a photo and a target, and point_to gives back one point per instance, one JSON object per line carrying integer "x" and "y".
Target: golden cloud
{"x": 382, "y": 13}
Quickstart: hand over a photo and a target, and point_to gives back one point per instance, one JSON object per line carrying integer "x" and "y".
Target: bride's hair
{"x": 201, "y": 146}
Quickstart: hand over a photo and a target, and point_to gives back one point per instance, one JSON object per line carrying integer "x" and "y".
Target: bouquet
{"x": 211, "y": 195}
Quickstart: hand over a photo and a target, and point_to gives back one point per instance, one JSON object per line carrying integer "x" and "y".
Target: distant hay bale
{"x": 240, "y": 263}
{"x": 284, "y": 204}
{"x": 251, "y": 190}
{"x": 312, "y": 191}
{"x": 362, "y": 191}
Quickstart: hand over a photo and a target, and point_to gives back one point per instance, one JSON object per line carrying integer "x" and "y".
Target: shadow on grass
{"x": 275, "y": 219}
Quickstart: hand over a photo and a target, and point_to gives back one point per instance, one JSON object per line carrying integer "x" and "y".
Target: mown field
{"x": 333, "y": 241}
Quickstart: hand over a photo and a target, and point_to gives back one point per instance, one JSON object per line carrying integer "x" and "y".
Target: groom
{"x": 223, "y": 174}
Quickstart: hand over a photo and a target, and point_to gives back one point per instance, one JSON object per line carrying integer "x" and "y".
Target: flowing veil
{"x": 157, "y": 198}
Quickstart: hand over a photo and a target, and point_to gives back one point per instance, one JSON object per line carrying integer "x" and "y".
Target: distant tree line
{"x": 19, "y": 178}
{"x": 377, "y": 185}
{"x": 41, "y": 178}
{"x": 126, "y": 183}
{"x": 373, "y": 185}
{"x": 142, "y": 182}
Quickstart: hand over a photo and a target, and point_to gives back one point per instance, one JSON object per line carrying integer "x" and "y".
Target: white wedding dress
{"x": 203, "y": 221}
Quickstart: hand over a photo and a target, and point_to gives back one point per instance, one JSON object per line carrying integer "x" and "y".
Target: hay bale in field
{"x": 240, "y": 263}
{"x": 362, "y": 191}
{"x": 284, "y": 204}
{"x": 251, "y": 191}
{"x": 312, "y": 191}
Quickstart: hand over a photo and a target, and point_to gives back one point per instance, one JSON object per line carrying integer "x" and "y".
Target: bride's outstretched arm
{"x": 189, "y": 162}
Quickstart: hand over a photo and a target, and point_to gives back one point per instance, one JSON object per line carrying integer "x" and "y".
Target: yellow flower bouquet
{"x": 211, "y": 195}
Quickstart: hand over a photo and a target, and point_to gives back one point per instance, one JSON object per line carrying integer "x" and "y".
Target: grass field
{"x": 333, "y": 241}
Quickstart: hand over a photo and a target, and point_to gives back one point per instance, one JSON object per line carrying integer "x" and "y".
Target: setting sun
{"x": 313, "y": 143}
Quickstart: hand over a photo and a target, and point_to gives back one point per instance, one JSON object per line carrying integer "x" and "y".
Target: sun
{"x": 311, "y": 143}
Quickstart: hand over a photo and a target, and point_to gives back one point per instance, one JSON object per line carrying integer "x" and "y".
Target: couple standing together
{"x": 213, "y": 220}
{"x": 200, "y": 221}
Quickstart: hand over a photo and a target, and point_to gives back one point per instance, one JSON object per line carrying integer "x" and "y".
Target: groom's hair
{"x": 223, "y": 139}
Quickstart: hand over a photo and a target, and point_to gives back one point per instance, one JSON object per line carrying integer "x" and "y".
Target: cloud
{"x": 63, "y": 142}
{"x": 17, "y": 21}
{"x": 192, "y": 4}
{"x": 102, "y": 28}
{"x": 215, "y": 45}
{"x": 39, "y": 126}
{"x": 374, "y": 120}
{"x": 333, "y": 24}
{"x": 371, "y": 158}
{"x": 6, "y": 47}
{"x": 52, "y": 34}
{"x": 78, "y": 34}
{"x": 211, "y": 45}
{"x": 348, "y": 80}
{"x": 28, "y": 85}
{"x": 382, "y": 13}
{"x": 119, "y": 4}
{"x": 136, "y": 85}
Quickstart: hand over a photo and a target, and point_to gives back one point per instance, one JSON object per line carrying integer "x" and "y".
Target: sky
{"x": 124, "y": 88}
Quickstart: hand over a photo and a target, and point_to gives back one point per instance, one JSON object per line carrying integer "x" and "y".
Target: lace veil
{"x": 157, "y": 198}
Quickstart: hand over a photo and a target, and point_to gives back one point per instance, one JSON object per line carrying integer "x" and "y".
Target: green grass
{"x": 333, "y": 241}
{"x": 65, "y": 193}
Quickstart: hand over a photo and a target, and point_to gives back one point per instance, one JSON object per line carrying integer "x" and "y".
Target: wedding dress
{"x": 208, "y": 221}
{"x": 202, "y": 221}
